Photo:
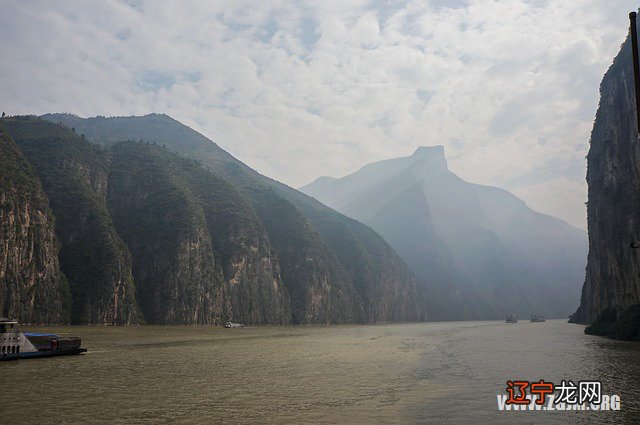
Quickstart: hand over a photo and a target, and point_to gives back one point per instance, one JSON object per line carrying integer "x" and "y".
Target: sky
{"x": 299, "y": 89}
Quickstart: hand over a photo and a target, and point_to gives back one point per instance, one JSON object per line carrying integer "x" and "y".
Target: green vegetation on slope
{"x": 194, "y": 244}
{"x": 32, "y": 288}
{"x": 340, "y": 280}
{"x": 199, "y": 253}
{"x": 92, "y": 256}
{"x": 319, "y": 287}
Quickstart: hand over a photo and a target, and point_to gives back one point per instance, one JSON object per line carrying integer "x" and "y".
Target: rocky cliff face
{"x": 148, "y": 235}
{"x": 319, "y": 288}
{"x": 199, "y": 253}
{"x": 93, "y": 257}
{"x": 32, "y": 288}
{"x": 336, "y": 270}
{"x": 612, "y": 283}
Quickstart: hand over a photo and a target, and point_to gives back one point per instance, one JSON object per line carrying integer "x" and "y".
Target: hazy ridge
{"x": 479, "y": 249}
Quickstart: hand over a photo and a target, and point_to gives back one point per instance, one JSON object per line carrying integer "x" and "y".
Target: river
{"x": 400, "y": 373}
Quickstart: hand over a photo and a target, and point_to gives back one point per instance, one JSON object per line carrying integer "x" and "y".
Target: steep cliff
{"x": 335, "y": 269}
{"x": 612, "y": 283}
{"x": 320, "y": 289}
{"x": 93, "y": 257}
{"x": 199, "y": 252}
{"x": 32, "y": 288}
{"x": 145, "y": 233}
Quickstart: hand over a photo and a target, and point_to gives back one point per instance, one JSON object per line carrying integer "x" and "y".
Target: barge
{"x": 537, "y": 318}
{"x": 17, "y": 345}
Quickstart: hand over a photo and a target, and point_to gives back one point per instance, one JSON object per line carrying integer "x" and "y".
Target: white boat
{"x": 17, "y": 345}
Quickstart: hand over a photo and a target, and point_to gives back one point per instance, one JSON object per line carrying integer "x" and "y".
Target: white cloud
{"x": 299, "y": 90}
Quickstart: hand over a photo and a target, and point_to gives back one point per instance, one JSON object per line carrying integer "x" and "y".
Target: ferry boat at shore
{"x": 537, "y": 318}
{"x": 511, "y": 318}
{"x": 233, "y": 325}
{"x": 17, "y": 345}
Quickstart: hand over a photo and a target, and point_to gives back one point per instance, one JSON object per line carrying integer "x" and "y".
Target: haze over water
{"x": 414, "y": 373}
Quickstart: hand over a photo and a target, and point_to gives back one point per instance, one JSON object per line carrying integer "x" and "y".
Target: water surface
{"x": 413, "y": 373}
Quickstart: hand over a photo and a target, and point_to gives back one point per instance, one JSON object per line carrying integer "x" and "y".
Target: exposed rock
{"x": 335, "y": 269}
{"x": 32, "y": 288}
{"x": 200, "y": 254}
{"x": 612, "y": 283}
{"x": 92, "y": 256}
{"x": 319, "y": 287}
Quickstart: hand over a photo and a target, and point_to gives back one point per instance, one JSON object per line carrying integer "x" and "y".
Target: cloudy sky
{"x": 303, "y": 89}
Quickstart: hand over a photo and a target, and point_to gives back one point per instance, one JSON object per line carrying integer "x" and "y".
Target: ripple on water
{"x": 414, "y": 373}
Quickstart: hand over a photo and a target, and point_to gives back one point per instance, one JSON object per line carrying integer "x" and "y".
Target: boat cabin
{"x": 10, "y": 339}
{"x": 17, "y": 345}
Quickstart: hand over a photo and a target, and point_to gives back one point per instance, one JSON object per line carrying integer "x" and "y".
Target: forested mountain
{"x": 92, "y": 256}
{"x": 335, "y": 268}
{"x": 148, "y": 235}
{"x": 32, "y": 286}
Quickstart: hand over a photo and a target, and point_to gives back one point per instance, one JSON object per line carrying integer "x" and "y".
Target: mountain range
{"x": 480, "y": 250}
{"x": 143, "y": 220}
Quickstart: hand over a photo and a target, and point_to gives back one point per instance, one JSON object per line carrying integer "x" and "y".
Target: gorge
{"x": 145, "y": 235}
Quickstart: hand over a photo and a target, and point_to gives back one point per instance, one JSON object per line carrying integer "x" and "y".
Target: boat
{"x": 536, "y": 318}
{"x": 511, "y": 318}
{"x": 233, "y": 325}
{"x": 17, "y": 345}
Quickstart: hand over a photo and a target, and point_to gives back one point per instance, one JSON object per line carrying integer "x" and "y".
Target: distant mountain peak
{"x": 432, "y": 155}
{"x": 480, "y": 249}
{"x": 429, "y": 151}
